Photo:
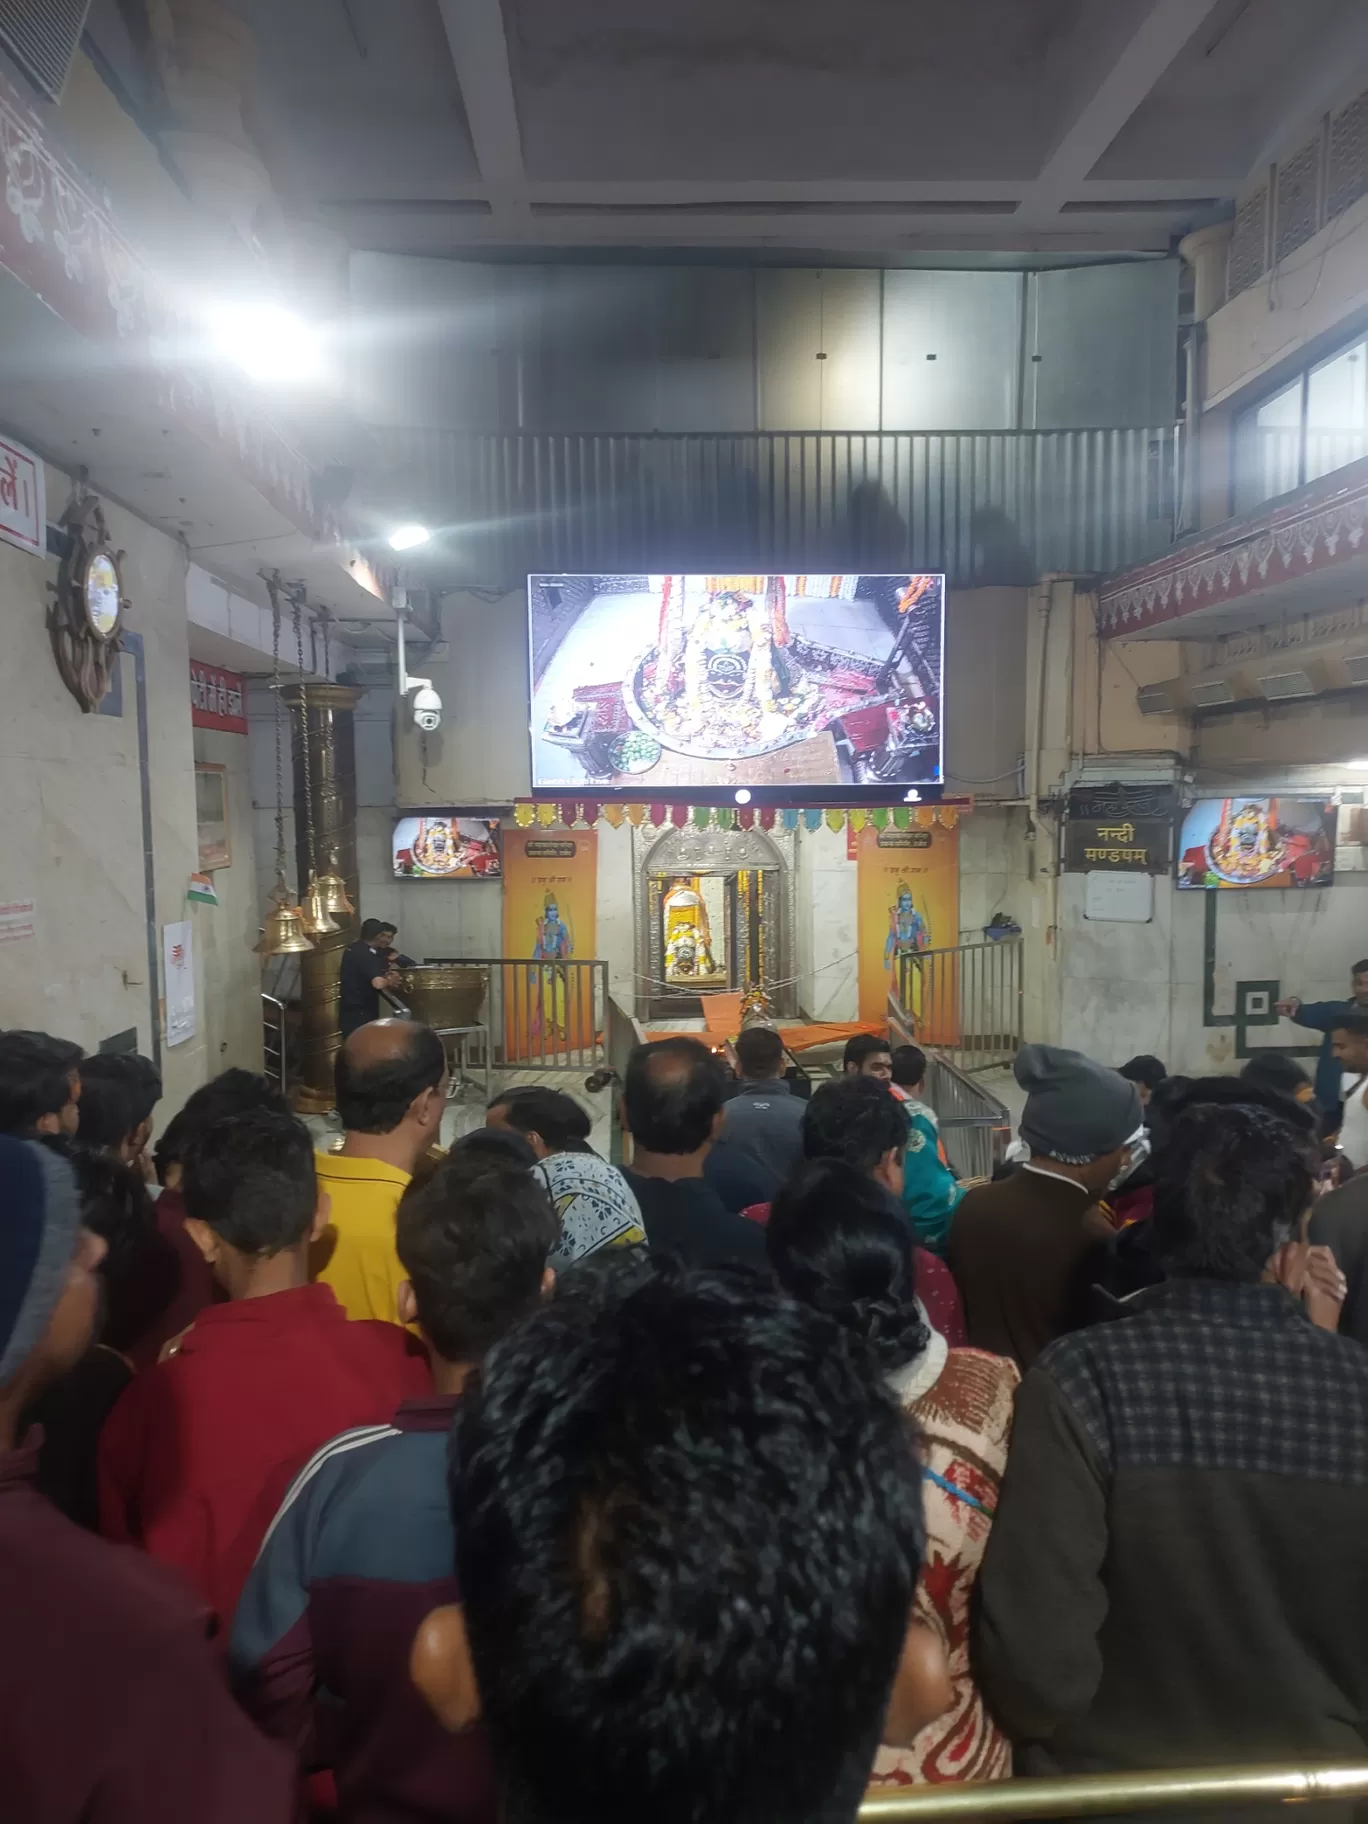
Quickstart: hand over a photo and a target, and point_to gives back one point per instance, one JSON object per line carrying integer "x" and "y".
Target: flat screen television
{"x": 811, "y": 689}
{"x": 438, "y": 845}
{"x": 1257, "y": 842}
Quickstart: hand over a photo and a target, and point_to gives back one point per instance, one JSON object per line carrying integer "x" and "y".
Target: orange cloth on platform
{"x": 722, "y": 1020}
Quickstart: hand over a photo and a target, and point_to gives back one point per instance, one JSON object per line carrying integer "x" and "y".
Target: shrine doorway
{"x": 714, "y": 915}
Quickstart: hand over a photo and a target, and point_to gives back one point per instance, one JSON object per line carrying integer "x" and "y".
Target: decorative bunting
{"x": 573, "y": 813}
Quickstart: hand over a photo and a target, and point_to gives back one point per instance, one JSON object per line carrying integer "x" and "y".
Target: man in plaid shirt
{"x": 1178, "y": 1568}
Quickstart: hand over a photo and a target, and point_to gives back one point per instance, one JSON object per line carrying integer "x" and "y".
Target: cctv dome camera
{"x": 427, "y": 709}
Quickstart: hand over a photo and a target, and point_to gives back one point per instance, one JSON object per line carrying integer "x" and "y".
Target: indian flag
{"x": 202, "y": 888}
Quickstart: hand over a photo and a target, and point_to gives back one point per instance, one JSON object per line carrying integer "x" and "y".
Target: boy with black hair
{"x": 119, "y": 1091}
{"x": 763, "y": 1118}
{"x": 661, "y": 1620}
{"x": 391, "y": 1082}
{"x": 40, "y": 1084}
{"x": 362, "y": 1547}
{"x": 673, "y": 1097}
{"x": 199, "y": 1442}
{"x": 114, "y": 1706}
{"x": 234, "y": 1092}
{"x": 867, "y": 1055}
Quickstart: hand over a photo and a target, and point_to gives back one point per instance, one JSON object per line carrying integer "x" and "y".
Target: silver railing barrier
{"x": 274, "y": 1048}
{"x": 1089, "y": 1795}
{"x": 975, "y": 1127}
{"x": 965, "y": 1001}
{"x": 542, "y": 1015}
{"x": 625, "y": 1033}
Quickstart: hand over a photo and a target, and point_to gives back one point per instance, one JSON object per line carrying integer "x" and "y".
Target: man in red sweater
{"x": 198, "y": 1451}
{"x": 115, "y": 1705}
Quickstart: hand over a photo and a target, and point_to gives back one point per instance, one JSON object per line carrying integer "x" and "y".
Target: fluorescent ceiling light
{"x": 1357, "y": 766}
{"x": 269, "y": 343}
{"x": 407, "y": 538}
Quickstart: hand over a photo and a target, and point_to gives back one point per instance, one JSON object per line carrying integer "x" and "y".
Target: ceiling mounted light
{"x": 1357, "y": 766}
{"x": 743, "y": 796}
{"x": 269, "y": 343}
{"x": 409, "y": 537}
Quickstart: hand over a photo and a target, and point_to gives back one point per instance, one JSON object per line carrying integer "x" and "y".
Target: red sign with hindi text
{"x": 217, "y": 699}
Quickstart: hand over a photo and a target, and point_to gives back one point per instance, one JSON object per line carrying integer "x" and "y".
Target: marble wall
{"x": 71, "y": 835}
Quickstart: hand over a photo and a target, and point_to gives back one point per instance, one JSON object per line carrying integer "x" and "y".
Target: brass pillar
{"x": 322, "y": 716}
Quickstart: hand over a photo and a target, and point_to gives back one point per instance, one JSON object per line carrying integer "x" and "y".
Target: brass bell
{"x": 334, "y": 890}
{"x": 314, "y": 916}
{"x": 284, "y": 934}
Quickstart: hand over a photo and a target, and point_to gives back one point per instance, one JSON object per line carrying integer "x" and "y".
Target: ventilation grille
{"x": 1356, "y": 668}
{"x": 1281, "y": 684}
{"x": 1348, "y": 174}
{"x": 42, "y": 37}
{"x": 1155, "y": 700}
{"x": 1298, "y": 204}
{"x": 1248, "y": 256}
{"x": 1207, "y": 696}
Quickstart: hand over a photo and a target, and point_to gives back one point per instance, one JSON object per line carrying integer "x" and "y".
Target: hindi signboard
{"x": 217, "y": 699}
{"x": 23, "y": 506}
{"x": 1136, "y": 844}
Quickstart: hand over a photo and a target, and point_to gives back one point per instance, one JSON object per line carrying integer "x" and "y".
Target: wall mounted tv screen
{"x": 817, "y": 689}
{"x": 1257, "y": 842}
{"x": 438, "y": 845}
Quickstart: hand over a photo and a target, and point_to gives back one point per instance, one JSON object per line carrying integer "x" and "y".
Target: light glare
{"x": 743, "y": 796}
{"x": 406, "y": 538}
{"x": 269, "y": 343}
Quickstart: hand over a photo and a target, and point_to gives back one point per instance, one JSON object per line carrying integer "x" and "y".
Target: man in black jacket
{"x": 367, "y": 971}
{"x": 1176, "y": 1572}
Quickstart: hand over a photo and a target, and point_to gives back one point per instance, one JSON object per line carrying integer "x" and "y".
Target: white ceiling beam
{"x": 1110, "y": 98}
{"x": 479, "y": 50}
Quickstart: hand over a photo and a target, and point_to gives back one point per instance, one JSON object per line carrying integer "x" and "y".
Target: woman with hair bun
{"x": 835, "y": 1243}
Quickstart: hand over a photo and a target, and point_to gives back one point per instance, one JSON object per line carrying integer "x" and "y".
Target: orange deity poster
{"x": 549, "y": 908}
{"x": 908, "y": 883}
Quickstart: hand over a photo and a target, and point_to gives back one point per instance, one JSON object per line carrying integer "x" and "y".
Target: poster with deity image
{"x": 549, "y": 917}
{"x": 908, "y": 893}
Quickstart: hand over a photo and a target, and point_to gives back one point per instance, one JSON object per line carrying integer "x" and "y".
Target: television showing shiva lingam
{"x": 812, "y": 684}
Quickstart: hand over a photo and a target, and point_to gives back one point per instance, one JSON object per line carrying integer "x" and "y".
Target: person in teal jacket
{"x": 931, "y": 1191}
{"x": 1323, "y": 1016}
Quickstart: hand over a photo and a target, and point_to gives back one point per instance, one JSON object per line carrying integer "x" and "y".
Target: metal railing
{"x": 965, "y": 1001}
{"x": 542, "y": 1016}
{"x": 975, "y": 1127}
{"x": 983, "y": 506}
{"x": 1092, "y": 1794}
{"x": 274, "y": 1043}
{"x": 625, "y": 1033}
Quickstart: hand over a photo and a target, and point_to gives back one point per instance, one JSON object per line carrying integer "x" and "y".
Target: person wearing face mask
{"x": 1023, "y": 1249}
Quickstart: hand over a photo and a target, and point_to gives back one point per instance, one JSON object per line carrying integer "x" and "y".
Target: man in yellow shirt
{"x": 391, "y": 1095}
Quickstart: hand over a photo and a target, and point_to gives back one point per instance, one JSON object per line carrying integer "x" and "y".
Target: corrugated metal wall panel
{"x": 994, "y": 507}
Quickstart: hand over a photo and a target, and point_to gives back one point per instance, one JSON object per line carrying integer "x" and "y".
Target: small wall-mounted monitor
{"x": 438, "y": 845}
{"x": 816, "y": 689}
{"x": 1257, "y": 842}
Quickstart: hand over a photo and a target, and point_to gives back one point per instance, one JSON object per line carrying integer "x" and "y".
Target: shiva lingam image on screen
{"x": 673, "y": 680}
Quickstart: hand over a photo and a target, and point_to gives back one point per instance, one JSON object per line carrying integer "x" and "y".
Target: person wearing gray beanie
{"x": 116, "y": 1701}
{"x": 1026, "y": 1249}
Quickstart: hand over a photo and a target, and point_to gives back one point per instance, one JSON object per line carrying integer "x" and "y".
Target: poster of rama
{"x": 908, "y": 898}
{"x": 655, "y": 683}
{"x": 549, "y": 912}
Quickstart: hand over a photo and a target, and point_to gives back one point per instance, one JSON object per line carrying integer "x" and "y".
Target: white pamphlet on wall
{"x": 178, "y": 953}
{"x": 1122, "y": 899}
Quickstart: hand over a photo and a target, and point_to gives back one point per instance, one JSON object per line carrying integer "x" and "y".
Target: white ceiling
{"x": 1046, "y": 128}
